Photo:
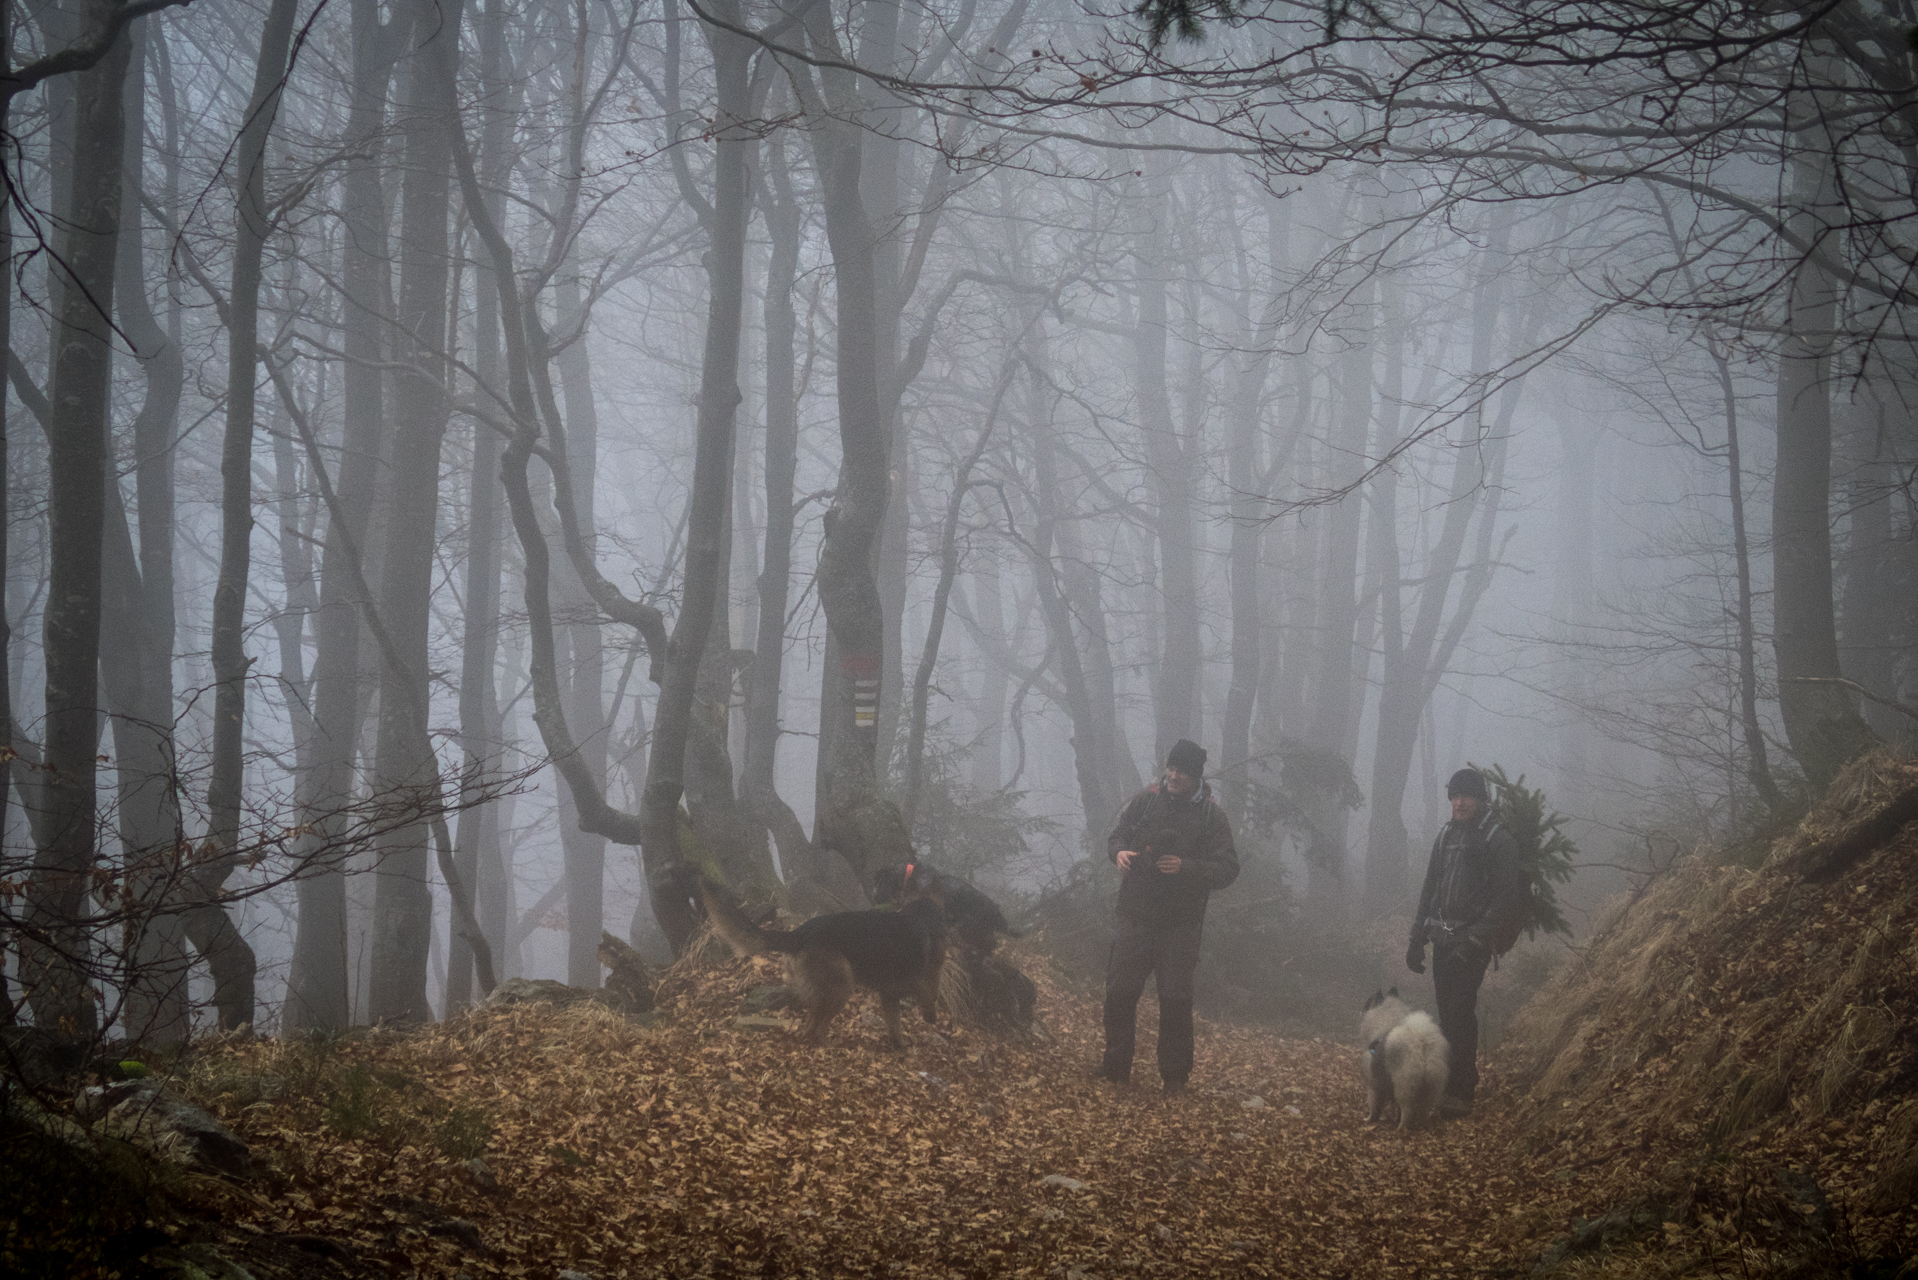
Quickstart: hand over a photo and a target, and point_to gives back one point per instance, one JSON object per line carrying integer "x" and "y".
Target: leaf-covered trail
{"x": 703, "y": 1150}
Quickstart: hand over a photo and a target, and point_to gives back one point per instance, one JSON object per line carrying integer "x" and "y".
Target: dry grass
{"x": 1724, "y": 1027}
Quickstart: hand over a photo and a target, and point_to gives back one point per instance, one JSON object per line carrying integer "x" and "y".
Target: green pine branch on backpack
{"x": 1545, "y": 851}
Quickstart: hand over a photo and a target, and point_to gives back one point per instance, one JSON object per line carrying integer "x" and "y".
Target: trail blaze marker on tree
{"x": 863, "y": 671}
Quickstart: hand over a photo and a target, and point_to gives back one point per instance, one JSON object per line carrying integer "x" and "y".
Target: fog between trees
{"x": 467, "y": 460}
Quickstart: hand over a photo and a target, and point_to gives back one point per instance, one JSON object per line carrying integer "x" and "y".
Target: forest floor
{"x": 1721, "y": 1083}
{"x": 698, "y": 1149}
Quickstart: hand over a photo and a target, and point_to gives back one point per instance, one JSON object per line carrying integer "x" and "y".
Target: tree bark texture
{"x": 55, "y": 951}
{"x": 404, "y": 772}
{"x": 853, "y": 818}
{"x": 710, "y": 500}
{"x": 1822, "y": 722}
{"x": 317, "y": 988}
{"x": 784, "y": 221}
{"x": 230, "y": 662}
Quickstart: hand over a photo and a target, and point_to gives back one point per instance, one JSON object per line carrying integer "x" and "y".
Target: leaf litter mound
{"x": 1720, "y": 1084}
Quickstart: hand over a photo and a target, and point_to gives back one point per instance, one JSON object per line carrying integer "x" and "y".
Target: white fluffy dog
{"x": 1404, "y": 1062}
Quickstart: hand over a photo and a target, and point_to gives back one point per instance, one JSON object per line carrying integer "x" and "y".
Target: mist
{"x": 466, "y": 463}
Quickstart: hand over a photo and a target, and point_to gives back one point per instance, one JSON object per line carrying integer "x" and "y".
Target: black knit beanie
{"x": 1468, "y": 782}
{"x": 1186, "y": 756}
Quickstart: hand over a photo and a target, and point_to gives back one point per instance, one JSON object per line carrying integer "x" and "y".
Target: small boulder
{"x": 537, "y": 991}
{"x": 151, "y": 1115}
{"x": 1060, "y": 1180}
{"x": 629, "y": 981}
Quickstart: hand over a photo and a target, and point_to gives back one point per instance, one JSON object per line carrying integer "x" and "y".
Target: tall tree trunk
{"x": 853, "y": 818}
{"x": 1821, "y": 716}
{"x": 1242, "y": 568}
{"x": 1244, "y": 401}
{"x": 1336, "y": 656}
{"x": 881, "y": 28}
{"x": 1757, "y": 762}
{"x": 138, "y": 627}
{"x": 995, "y": 680}
{"x": 224, "y": 950}
{"x": 9, "y": 735}
{"x": 784, "y": 220}
{"x": 54, "y": 959}
{"x": 714, "y": 432}
{"x": 317, "y": 988}
{"x": 1176, "y": 710}
{"x": 1867, "y": 631}
{"x": 584, "y": 691}
{"x": 477, "y": 836}
{"x": 404, "y": 771}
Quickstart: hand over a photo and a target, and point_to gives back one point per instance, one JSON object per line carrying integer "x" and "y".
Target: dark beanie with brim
{"x": 1186, "y": 756}
{"x": 1467, "y": 782}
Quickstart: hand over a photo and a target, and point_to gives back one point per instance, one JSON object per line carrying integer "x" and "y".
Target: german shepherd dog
{"x": 971, "y": 916}
{"x": 891, "y": 953}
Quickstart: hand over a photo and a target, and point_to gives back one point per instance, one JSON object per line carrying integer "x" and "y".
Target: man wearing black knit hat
{"x": 1173, "y": 845}
{"x": 1474, "y": 892}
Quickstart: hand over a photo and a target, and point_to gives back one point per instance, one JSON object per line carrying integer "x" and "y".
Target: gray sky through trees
{"x": 478, "y": 459}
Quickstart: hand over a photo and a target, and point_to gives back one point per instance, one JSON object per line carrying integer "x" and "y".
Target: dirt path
{"x": 704, "y": 1150}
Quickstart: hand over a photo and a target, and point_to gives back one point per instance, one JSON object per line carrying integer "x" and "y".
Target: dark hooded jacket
{"x": 1155, "y": 822}
{"x": 1474, "y": 884}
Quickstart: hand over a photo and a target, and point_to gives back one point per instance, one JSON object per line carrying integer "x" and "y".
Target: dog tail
{"x": 738, "y": 930}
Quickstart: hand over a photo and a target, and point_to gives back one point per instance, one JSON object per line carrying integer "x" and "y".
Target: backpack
{"x": 1505, "y": 936}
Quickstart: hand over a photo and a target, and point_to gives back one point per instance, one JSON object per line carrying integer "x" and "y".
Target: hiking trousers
{"x": 1457, "y": 973}
{"x": 1170, "y": 953}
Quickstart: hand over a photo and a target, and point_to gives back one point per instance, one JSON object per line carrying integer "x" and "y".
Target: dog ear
{"x": 1394, "y": 993}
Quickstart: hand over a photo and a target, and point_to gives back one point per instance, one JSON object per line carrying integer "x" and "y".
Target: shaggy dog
{"x": 891, "y": 953}
{"x": 1404, "y": 1062}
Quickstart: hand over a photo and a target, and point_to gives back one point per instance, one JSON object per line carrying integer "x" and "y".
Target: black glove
{"x": 1415, "y": 957}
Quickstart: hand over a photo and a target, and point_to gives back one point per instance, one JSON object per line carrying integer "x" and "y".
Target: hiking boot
{"x": 1173, "y": 1088}
{"x": 1111, "y": 1074}
{"x": 1450, "y": 1108}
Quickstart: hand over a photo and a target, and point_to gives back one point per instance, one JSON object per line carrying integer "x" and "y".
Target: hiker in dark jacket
{"x": 1173, "y": 846}
{"x": 1475, "y": 895}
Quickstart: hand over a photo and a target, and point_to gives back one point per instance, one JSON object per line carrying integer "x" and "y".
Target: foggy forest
{"x": 469, "y": 462}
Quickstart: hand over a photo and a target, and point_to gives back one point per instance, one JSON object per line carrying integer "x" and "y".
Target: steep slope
{"x": 1731, "y": 1054}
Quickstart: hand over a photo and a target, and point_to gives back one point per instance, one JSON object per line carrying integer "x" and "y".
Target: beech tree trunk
{"x": 317, "y": 989}
{"x": 1245, "y": 399}
{"x": 55, "y": 954}
{"x": 784, "y": 219}
{"x": 711, "y": 497}
{"x": 225, "y": 952}
{"x": 138, "y": 628}
{"x": 852, "y": 816}
{"x": 1821, "y": 716}
{"x": 404, "y": 771}
{"x": 1176, "y": 709}
{"x": 476, "y": 841}
{"x": 584, "y": 851}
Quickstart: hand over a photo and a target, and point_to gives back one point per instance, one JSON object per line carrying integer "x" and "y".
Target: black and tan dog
{"x": 971, "y": 916}
{"x": 891, "y": 953}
